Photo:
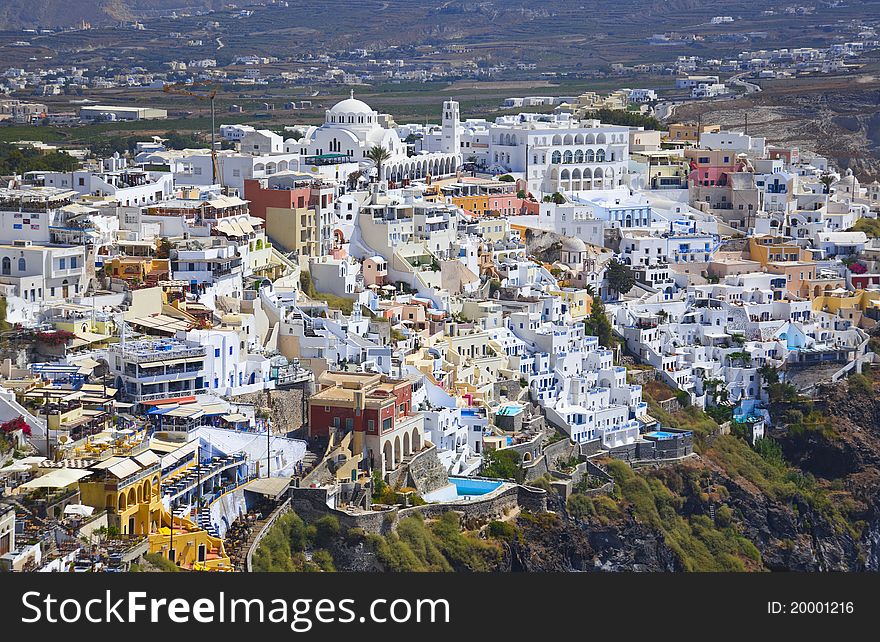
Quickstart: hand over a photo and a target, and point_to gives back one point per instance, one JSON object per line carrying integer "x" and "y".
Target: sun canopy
{"x": 59, "y": 478}
{"x": 79, "y": 509}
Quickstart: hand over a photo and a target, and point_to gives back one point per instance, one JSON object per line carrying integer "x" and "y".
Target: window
{"x": 217, "y": 353}
{"x": 22, "y": 264}
{"x": 62, "y": 263}
{"x": 386, "y": 424}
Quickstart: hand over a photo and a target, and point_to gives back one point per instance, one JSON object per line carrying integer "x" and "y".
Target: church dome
{"x": 351, "y": 106}
{"x": 573, "y": 244}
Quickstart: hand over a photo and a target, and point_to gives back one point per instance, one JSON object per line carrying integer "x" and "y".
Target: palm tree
{"x": 378, "y": 155}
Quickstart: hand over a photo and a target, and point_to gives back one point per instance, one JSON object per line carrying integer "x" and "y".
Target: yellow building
{"x": 838, "y": 300}
{"x": 295, "y": 229}
{"x": 578, "y": 301}
{"x": 136, "y": 269}
{"x": 81, "y": 322}
{"x": 689, "y": 132}
{"x": 129, "y": 489}
{"x": 766, "y": 249}
{"x": 476, "y": 204}
{"x": 665, "y": 168}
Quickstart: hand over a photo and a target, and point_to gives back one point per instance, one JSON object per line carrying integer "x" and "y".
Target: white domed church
{"x": 351, "y": 127}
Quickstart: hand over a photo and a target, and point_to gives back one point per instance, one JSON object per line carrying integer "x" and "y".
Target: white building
{"x": 351, "y": 128}
{"x": 556, "y": 153}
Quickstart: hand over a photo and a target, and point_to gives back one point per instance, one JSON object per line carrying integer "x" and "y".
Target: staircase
{"x": 203, "y": 520}
{"x": 309, "y": 461}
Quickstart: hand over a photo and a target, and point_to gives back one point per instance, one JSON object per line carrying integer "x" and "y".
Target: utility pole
{"x": 171, "y": 554}
{"x": 199, "y": 475}
{"x": 46, "y": 414}
{"x": 213, "y": 144}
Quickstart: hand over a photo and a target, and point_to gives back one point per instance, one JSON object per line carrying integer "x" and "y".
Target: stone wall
{"x": 642, "y": 377}
{"x": 426, "y": 473}
{"x": 511, "y": 389}
{"x": 310, "y": 504}
{"x": 531, "y": 447}
{"x": 670, "y": 405}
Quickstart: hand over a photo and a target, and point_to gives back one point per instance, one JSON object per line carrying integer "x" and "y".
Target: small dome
{"x": 573, "y": 244}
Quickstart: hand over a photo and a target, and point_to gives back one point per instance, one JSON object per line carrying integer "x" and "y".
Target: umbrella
{"x": 78, "y": 509}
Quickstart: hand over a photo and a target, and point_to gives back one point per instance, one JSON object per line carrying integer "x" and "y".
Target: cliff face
{"x": 811, "y": 505}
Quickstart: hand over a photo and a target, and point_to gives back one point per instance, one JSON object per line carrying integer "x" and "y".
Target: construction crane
{"x": 185, "y": 90}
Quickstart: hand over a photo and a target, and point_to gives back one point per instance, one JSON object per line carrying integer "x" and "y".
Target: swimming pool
{"x": 466, "y": 487}
{"x": 662, "y": 434}
{"x": 509, "y": 411}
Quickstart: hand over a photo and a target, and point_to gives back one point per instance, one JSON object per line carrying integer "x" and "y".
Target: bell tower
{"x": 451, "y": 143}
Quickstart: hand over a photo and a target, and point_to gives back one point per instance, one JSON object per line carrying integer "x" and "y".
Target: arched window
{"x": 591, "y": 157}
{"x": 7, "y": 266}
{"x": 556, "y": 158}
{"x": 22, "y": 264}
{"x": 600, "y": 155}
{"x": 567, "y": 157}
{"x": 578, "y": 156}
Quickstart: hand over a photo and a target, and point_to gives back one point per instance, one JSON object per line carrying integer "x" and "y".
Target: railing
{"x": 278, "y": 512}
{"x": 156, "y": 354}
{"x": 171, "y": 394}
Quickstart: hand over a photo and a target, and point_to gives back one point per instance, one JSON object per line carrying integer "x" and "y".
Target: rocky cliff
{"x": 806, "y": 501}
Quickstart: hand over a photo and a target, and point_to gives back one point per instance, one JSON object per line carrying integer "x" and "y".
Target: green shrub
{"x": 505, "y": 531}
{"x": 162, "y": 563}
{"x": 326, "y": 529}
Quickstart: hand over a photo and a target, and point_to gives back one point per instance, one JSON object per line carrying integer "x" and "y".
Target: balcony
{"x": 170, "y": 394}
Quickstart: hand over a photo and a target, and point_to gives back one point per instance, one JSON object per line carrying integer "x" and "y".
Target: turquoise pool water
{"x": 662, "y": 434}
{"x": 509, "y": 411}
{"x": 472, "y": 487}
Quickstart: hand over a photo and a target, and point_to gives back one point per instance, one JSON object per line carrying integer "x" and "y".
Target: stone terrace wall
{"x": 310, "y": 504}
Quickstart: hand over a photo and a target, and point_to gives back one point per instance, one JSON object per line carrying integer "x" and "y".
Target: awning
{"x": 79, "y": 509}
{"x": 92, "y": 337}
{"x": 15, "y": 467}
{"x": 147, "y": 458}
{"x": 234, "y": 418}
{"x": 124, "y": 468}
{"x": 58, "y": 478}
{"x": 271, "y": 487}
{"x": 185, "y": 411}
{"x": 212, "y": 409}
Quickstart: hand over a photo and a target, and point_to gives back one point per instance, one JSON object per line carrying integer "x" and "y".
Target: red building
{"x": 263, "y": 193}
{"x": 375, "y": 408}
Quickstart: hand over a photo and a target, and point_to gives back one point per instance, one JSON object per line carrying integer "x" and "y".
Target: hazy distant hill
{"x": 15, "y": 14}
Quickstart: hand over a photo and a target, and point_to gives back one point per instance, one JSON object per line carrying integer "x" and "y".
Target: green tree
{"x": 597, "y": 324}
{"x": 620, "y": 277}
{"x": 506, "y": 178}
{"x": 504, "y": 464}
{"x": 18, "y": 161}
